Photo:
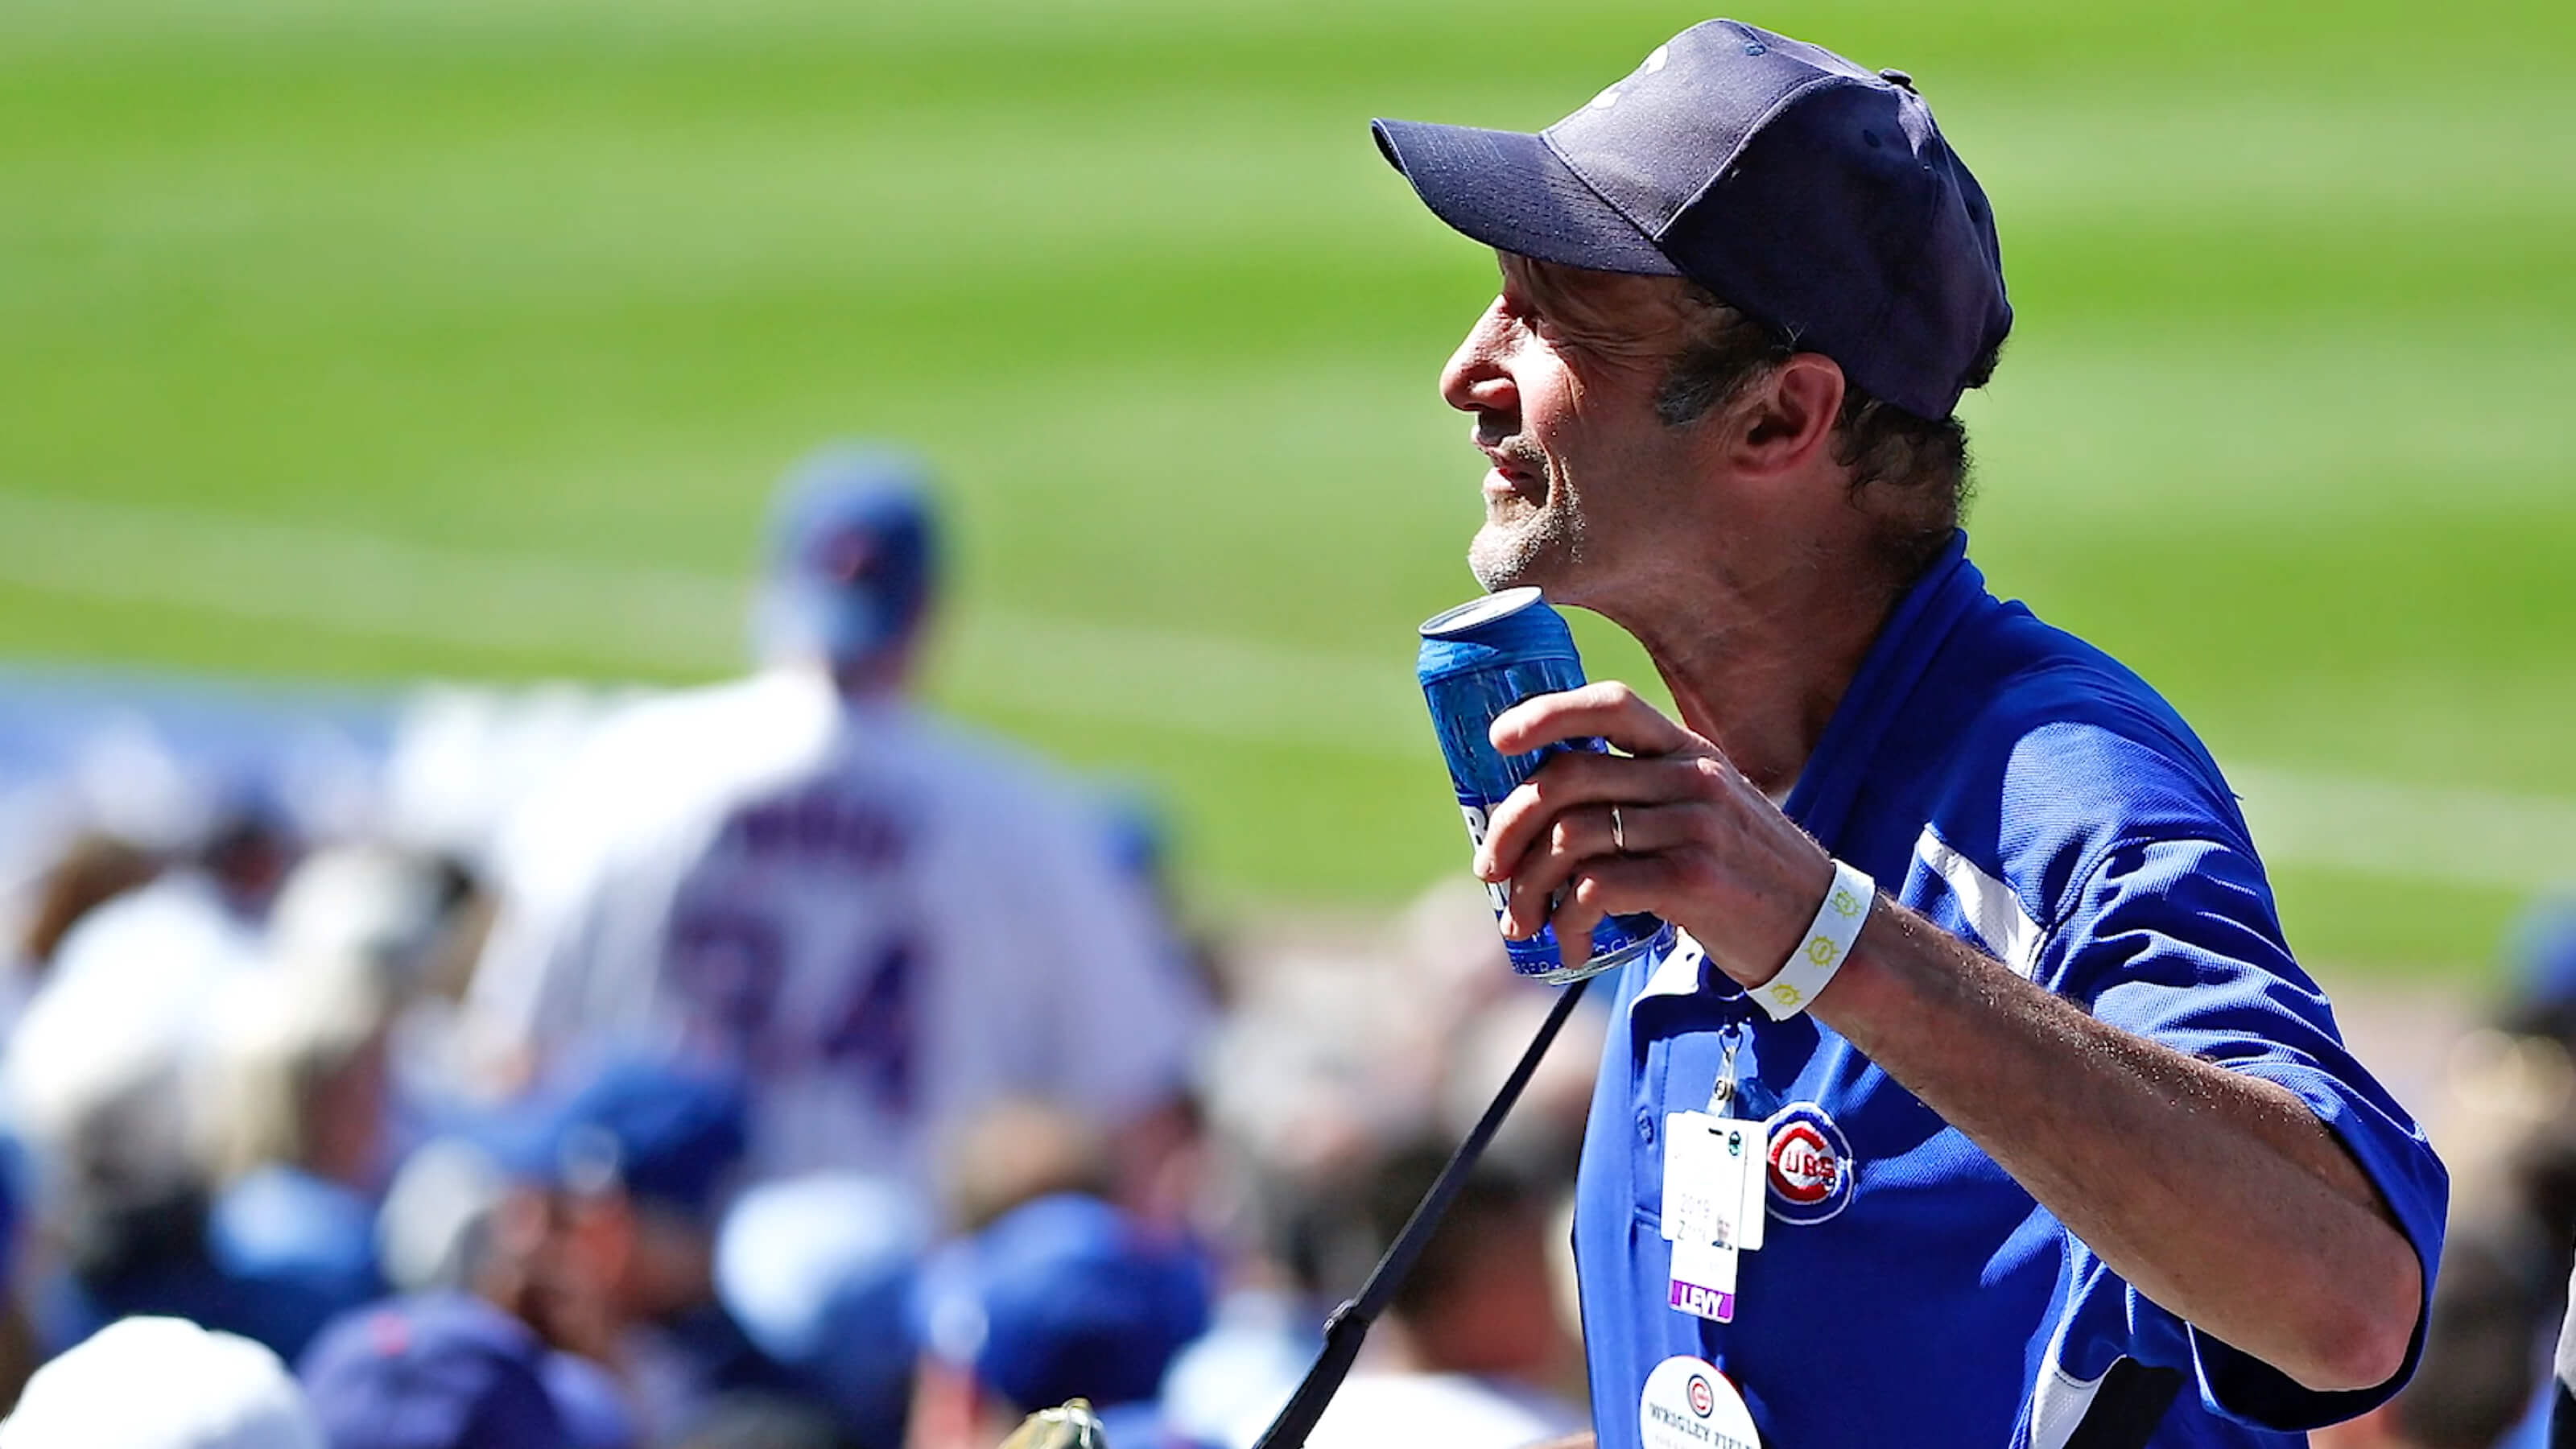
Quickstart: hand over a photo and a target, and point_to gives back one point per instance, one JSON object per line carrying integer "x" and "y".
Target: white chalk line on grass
{"x": 1209, "y": 684}
{"x": 2478, "y": 838}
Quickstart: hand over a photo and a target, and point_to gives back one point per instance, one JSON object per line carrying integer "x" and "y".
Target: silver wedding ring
{"x": 1618, "y": 832}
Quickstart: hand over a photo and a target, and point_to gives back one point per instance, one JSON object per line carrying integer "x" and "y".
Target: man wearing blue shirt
{"x": 2058, "y": 1145}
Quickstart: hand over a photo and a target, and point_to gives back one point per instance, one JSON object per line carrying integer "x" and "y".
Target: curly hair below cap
{"x": 1920, "y": 466}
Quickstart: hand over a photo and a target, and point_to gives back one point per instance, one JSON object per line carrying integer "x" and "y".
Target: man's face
{"x": 1561, "y": 374}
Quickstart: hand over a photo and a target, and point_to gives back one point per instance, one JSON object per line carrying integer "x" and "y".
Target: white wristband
{"x": 1827, "y": 945}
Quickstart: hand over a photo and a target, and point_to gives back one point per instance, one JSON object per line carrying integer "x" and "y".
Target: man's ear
{"x": 1780, "y": 422}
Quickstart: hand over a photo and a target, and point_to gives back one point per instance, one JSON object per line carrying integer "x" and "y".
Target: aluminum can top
{"x": 1511, "y": 625}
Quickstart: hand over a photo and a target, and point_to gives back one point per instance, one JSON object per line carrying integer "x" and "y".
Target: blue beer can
{"x": 1478, "y": 660}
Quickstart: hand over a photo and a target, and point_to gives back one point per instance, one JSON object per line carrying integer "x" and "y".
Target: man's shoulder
{"x": 2021, "y": 674}
{"x": 2054, "y": 754}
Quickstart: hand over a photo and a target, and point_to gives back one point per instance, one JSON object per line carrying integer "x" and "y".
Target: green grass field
{"x": 367, "y": 340}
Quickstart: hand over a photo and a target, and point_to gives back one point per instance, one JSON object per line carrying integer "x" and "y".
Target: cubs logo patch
{"x": 1703, "y": 1399}
{"x": 1811, "y": 1168}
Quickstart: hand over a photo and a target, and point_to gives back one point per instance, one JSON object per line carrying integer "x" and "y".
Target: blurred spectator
{"x": 191, "y": 924}
{"x": 444, "y": 1371}
{"x": 2542, "y": 956}
{"x": 388, "y": 918}
{"x": 161, "y": 1383}
{"x": 1065, "y": 1297}
{"x": 2506, "y": 1128}
{"x": 886, "y": 922}
{"x": 1475, "y": 1341}
{"x": 1543, "y": 1137}
{"x": 403, "y": 927}
{"x": 294, "y": 1096}
{"x": 1018, "y": 1150}
{"x": 98, "y": 1075}
{"x": 1339, "y": 1060}
{"x": 297, "y": 1086}
{"x": 90, "y": 871}
{"x": 1480, "y": 1301}
{"x": 160, "y": 952}
{"x": 247, "y": 855}
{"x": 97, "y": 1085}
{"x": 212, "y": 1145}
{"x": 598, "y": 1230}
{"x": 436, "y": 1219}
{"x": 819, "y": 1272}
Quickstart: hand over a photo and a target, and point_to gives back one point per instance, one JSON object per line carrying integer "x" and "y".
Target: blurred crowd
{"x": 774, "y": 1065}
{"x": 2504, "y": 1119}
{"x": 760, "y": 1066}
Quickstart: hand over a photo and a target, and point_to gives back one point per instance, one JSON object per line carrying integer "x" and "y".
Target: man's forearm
{"x": 2219, "y": 1196}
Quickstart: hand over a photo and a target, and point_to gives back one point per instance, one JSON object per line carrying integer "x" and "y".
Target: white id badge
{"x": 1703, "y": 1282}
{"x": 1714, "y": 1180}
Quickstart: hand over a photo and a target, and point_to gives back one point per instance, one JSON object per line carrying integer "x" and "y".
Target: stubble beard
{"x": 1537, "y": 550}
{"x": 1525, "y": 543}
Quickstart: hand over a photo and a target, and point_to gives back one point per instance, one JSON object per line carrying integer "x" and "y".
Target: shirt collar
{"x": 1822, "y": 799}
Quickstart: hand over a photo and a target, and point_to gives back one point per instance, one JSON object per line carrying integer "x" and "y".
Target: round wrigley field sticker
{"x": 1811, "y": 1165}
{"x": 1690, "y": 1405}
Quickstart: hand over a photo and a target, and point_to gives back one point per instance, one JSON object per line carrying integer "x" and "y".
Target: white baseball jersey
{"x": 889, "y": 922}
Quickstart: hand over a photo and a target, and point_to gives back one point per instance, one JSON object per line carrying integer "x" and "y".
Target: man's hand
{"x": 1704, "y": 849}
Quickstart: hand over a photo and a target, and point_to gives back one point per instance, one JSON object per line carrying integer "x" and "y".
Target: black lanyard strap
{"x": 1349, "y": 1325}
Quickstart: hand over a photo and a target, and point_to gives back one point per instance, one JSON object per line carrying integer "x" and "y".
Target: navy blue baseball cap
{"x": 1065, "y": 1297}
{"x": 1812, "y": 194}
{"x": 439, "y": 1371}
{"x": 853, "y": 555}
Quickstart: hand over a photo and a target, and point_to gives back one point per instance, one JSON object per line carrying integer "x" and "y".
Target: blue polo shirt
{"x": 2024, "y": 791}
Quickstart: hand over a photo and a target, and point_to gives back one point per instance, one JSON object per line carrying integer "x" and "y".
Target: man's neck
{"x": 1757, "y": 664}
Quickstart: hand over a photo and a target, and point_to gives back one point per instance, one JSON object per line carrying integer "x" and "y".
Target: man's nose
{"x": 1475, "y": 379}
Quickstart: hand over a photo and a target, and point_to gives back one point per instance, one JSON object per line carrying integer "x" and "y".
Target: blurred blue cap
{"x": 853, "y": 554}
{"x": 439, "y": 1371}
{"x": 300, "y": 1250}
{"x": 1064, "y": 1297}
{"x": 1814, "y": 194}
{"x": 669, "y": 1133}
{"x": 817, "y": 1271}
{"x": 1139, "y": 833}
{"x": 2544, "y": 956}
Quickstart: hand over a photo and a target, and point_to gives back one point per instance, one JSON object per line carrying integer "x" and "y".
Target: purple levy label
{"x": 1701, "y": 1302}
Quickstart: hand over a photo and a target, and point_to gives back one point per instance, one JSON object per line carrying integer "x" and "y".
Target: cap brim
{"x": 1509, "y": 190}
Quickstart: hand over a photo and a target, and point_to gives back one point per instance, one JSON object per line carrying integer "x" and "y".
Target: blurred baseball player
{"x": 885, "y": 921}
{"x": 1981, "y": 1102}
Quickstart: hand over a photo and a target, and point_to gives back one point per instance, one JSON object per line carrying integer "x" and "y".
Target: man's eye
{"x": 1557, "y": 337}
{"x": 1530, "y": 321}
{"x": 1534, "y": 322}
